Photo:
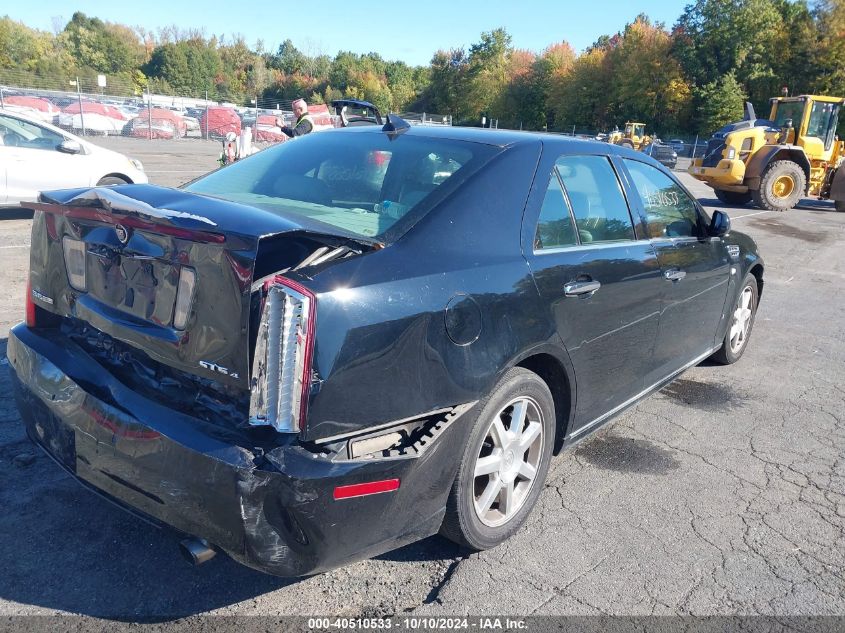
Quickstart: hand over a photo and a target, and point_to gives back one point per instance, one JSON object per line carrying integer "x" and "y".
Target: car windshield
{"x": 367, "y": 184}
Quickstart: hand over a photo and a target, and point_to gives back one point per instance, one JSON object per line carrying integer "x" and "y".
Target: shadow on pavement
{"x": 806, "y": 204}
{"x": 64, "y": 548}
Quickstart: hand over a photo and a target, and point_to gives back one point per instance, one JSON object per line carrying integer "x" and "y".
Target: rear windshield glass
{"x": 363, "y": 183}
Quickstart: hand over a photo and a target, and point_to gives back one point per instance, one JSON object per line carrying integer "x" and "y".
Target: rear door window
{"x": 554, "y": 228}
{"x": 596, "y": 199}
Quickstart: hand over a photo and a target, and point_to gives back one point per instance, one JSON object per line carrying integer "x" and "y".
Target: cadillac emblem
{"x": 122, "y": 233}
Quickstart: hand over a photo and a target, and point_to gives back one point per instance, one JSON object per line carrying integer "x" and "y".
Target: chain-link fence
{"x": 86, "y": 109}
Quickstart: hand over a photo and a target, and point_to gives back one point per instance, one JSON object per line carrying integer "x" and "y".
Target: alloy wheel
{"x": 741, "y": 322}
{"x": 507, "y": 462}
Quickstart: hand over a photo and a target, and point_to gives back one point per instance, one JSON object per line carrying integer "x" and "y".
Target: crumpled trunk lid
{"x": 137, "y": 240}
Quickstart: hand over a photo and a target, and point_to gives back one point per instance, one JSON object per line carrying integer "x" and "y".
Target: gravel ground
{"x": 722, "y": 494}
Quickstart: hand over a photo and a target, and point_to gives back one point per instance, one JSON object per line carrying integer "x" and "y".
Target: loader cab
{"x": 634, "y": 130}
{"x": 809, "y": 122}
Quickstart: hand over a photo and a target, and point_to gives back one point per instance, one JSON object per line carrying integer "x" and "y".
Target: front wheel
{"x": 781, "y": 186}
{"x": 742, "y": 321}
{"x": 839, "y": 205}
{"x": 504, "y": 463}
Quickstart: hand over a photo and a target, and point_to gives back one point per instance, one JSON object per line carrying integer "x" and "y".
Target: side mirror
{"x": 70, "y": 147}
{"x": 720, "y": 224}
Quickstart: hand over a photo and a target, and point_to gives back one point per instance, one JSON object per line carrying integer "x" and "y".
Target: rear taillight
{"x": 281, "y": 372}
{"x": 30, "y": 305}
{"x": 74, "y": 251}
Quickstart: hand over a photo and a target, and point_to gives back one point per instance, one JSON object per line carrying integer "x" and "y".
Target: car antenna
{"x": 395, "y": 125}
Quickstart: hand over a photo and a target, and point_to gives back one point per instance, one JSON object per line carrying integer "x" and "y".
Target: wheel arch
{"x": 763, "y": 158}
{"x": 117, "y": 174}
{"x": 757, "y": 271}
{"x": 559, "y": 377}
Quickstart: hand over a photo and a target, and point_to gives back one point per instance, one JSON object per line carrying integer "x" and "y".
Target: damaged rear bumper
{"x": 274, "y": 512}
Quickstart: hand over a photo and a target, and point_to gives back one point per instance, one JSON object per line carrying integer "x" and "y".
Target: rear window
{"x": 362, "y": 183}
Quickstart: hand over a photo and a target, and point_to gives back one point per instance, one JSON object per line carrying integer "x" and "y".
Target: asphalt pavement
{"x": 722, "y": 494}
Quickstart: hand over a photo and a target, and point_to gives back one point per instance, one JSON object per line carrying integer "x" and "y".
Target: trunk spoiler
{"x": 112, "y": 207}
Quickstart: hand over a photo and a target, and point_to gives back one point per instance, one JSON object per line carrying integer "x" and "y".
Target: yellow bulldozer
{"x": 777, "y": 161}
{"x": 633, "y": 136}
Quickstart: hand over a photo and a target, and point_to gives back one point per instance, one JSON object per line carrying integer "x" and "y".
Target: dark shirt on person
{"x": 302, "y": 127}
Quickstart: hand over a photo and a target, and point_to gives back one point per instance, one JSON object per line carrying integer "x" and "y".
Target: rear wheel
{"x": 839, "y": 205}
{"x": 781, "y": 187}
{"x": 111, "y": 180}
{"x": 733, "y": 197}
{"x": 504, "y": 463}
{"x": 742, "y": 320}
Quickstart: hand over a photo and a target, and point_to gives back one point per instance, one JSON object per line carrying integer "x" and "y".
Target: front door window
{"x": 670, "y": 212}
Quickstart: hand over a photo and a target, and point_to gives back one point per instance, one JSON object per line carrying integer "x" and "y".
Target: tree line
{"x": 691, "y": 77}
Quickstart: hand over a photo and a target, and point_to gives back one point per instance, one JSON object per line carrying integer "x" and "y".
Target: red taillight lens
{"x": 281, "y": 372}
{"x": 30, "y": 305}
{"x": 369, "y": 488}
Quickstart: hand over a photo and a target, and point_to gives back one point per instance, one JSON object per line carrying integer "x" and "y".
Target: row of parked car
{"x": 135, "y": 118}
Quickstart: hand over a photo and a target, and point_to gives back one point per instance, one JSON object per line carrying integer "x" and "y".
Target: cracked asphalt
{"x": 722, "y": 494}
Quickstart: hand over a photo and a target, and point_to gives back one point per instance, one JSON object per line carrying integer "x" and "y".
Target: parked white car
{"x": 37, "y": 156}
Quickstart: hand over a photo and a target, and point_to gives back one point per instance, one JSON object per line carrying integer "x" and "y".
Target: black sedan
{"x": 664, "y": 154}
{"x": 350, "y": 342}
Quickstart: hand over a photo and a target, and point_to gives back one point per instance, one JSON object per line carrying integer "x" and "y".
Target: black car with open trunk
{"x": 358, "y": 339}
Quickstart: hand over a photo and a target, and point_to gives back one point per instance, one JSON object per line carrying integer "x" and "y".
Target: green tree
{"x": 645, "y": 82}
{"x": 448, "y": 79}
{"x": 829, "y": 75}
{"x": 20, "y": 46}
{"x": 187, "y": 67}
{"x": 487, "y": 72}
{"x": 579, "y": 96}
{"x": 743, "y": 37}
{"x": 103, "y": 47}
{"x": 718, "y": 103}
{"x": 288, "y": 59}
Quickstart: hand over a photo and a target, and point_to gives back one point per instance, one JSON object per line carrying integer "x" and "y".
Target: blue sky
{"x": 411, "y": 32}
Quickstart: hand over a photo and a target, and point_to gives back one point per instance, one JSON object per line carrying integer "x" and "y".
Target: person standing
{"x": 304, "y": 125}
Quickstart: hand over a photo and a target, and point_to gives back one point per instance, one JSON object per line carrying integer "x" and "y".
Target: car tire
{"x": 781, "y": 186}
{"x": 111, "y": 180}
{"x": 839, "y": 205}
{"x": 742, "y": 321}
{"x": 733, "y": 197}
{"x": 512, "y": 462}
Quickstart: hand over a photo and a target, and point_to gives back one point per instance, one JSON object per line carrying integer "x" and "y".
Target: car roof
{"x": 504, "y": 138}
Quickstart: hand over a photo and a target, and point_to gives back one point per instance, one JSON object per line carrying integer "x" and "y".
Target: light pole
{"x": 79, "y": 98}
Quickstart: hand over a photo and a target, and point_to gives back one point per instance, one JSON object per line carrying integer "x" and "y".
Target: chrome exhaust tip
{"x": 196, "y": 550}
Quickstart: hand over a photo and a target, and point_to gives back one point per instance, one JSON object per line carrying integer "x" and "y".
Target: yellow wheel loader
{"x": 634, "y": 136}
{"x": 775, "y": 162}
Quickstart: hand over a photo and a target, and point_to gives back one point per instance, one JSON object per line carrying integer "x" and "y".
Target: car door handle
{"x": 674, "y": 274}
{"x": 578, "y": 288}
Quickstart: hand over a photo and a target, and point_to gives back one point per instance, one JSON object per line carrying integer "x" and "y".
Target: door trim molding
{"x": 643, "y": 393}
